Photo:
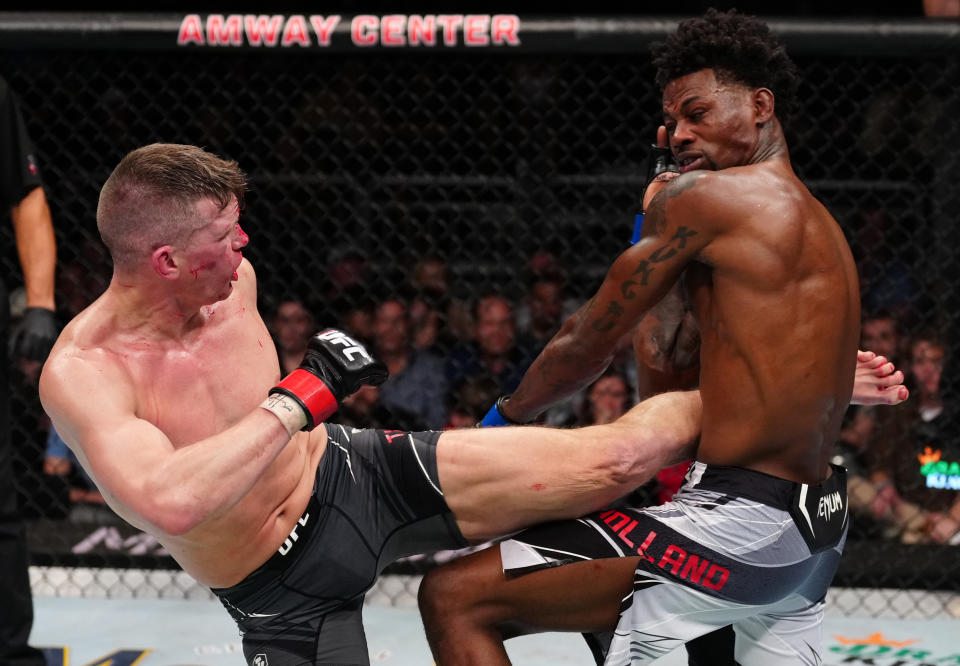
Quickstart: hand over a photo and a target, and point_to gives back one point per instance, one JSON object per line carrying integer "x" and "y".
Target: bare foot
{"x": 877, "y": 381}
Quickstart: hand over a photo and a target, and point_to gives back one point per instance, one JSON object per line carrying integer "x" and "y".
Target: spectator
{"x": 912, "y": 453}
{"x": 364, "y": 409}
{"x": 548, "y": 301}
{"x": 880, "y": 334}
{"x": 543, "y": 312}
{"x": 608, "y": 397}
{"x": 431, "y": 275}
{"x": 494, "y": 349}
{"x": 354, "y": 312}
{"x": 428, "y": 324}
{"x": 470, "y": 401}
{"x": 23, "y": 196}
{"x": 347, "y": 269}
{"x": 430, "y": 279}
{"x": 291, "y": 327}
{"x": 417, "y": 382}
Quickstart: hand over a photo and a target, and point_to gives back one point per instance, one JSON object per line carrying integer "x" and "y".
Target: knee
{"x": 440, "y": 595}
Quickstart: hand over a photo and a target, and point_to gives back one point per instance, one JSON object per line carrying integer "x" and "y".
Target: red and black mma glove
{"x": 334, "y": 366}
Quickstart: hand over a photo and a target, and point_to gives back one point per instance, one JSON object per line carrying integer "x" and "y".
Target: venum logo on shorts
{"x": 259, "y": 660}
{"x": 829, "y": 505}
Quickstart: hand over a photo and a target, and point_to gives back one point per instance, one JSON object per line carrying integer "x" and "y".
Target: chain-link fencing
{"x": 374, "y": 172}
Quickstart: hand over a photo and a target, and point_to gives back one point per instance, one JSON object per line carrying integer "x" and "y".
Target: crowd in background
{"x": 451, "y": 357}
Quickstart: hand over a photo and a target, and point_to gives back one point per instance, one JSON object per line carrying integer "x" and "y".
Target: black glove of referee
{"x": 33, "y": 336}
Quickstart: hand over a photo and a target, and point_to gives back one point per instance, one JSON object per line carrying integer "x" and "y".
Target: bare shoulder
{"x": 722, "y": 200}
{"x": 247, "y": 282}
{"x": 82, "y": 370}
{"x": 696, "y": 199}
{"x": 246, "y": 270}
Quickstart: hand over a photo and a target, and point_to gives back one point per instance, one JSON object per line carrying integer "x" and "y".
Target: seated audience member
{"x": 914, "y": 458}
{"x": 417, "y": 383}
{"x": 430, "y": 278}
{"x": 880, "y": 334}
{"x": 364, "y": 409}
{"x": 494, "y": 349}
{"x": 354, "y": 312}
{"x": 469, "y": 401}
{"x": 428, "y": 324}
{"x": 291, "y": 327}
{"x": 605, "y": 400}
{"x": 347, "y": 269}
{"x": 543, "y": 312}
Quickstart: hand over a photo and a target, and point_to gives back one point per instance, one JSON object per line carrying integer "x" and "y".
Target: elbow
{"x": 171, "y": 512}
{"x": 578, "y": 348}
{"x": 177, "y": 524}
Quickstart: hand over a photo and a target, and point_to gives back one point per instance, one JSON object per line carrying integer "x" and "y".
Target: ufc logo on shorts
{"x": 288, "y": 542}
{"x": 351, "y": 346}
{"x": 259, "y": 660}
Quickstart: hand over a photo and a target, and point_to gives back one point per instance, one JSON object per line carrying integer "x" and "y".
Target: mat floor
{"x": 159, "y": 632}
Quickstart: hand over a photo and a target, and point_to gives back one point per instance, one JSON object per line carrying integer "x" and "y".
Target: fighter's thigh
{"x": 781, "y": 638}
{"x": 582, "y": 596}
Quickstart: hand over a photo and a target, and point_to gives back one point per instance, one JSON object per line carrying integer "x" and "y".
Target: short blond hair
{"x": 150, "y": 198}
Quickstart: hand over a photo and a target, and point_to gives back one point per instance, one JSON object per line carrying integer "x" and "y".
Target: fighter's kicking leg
{"x": 469, "y": 607}
{"x": 499, "y": 480}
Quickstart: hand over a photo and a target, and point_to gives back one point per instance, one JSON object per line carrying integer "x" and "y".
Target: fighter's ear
{"x": 164, "y": 263}
{"x": 763, "y": 105}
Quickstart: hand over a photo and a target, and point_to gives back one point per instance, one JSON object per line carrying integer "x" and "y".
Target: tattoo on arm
{"x": 661, "y": 254}
{"x": 608, "y": 319}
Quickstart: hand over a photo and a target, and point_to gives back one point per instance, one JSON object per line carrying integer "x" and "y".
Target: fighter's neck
{"x": 772, "y": 145}
{"x": 153, "y": 309}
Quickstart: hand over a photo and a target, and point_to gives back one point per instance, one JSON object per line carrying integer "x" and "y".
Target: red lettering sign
{"x": 324, "y": 27}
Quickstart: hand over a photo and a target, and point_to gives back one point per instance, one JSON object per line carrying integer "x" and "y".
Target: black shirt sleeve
{"x": 19, "y": 173}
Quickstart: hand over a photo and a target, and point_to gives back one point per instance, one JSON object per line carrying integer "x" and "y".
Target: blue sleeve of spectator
{"x": 56, "y": 446}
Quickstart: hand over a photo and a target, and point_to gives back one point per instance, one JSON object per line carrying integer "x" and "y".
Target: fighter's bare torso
{"x": 192, "y": 388}
{"x": 781, "y": 278}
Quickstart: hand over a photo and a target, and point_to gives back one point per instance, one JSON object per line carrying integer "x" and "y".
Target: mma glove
{"x": 495, "y": 417}
{"x": 334, "y": 366}
{"x": 34, "y": 335}
{"x": 660, "y": 161}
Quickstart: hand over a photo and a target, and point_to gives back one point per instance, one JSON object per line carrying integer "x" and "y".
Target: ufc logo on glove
{"x": 340, "y": 338}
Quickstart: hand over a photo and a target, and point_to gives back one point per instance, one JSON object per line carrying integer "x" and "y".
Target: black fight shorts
{"x": 376, "y": 498}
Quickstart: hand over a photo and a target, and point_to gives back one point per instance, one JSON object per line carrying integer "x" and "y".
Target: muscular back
{"x": 775, "y": 293}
